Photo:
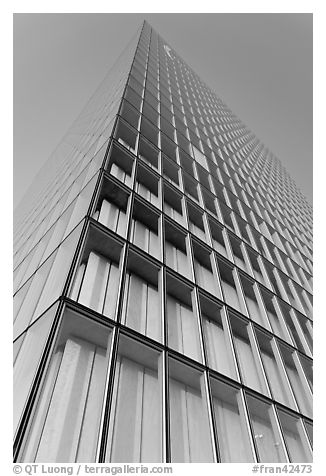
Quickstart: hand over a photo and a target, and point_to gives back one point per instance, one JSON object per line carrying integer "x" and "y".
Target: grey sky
{"x": 260, "y": 65}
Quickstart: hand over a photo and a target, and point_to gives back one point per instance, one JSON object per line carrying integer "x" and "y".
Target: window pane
{"x": 247, "y": 355}
{"x": 142, "y": 302}
{"x": 144, "y": 229}
{"x": 230, "y": 291}
{"x": 135, "y": 419}
{"x": 176, "y": 256}
{"x": 59, "y": 271}
{"x": 265, "y": 432}
{"x": 183, "y": 331}
{"x": 27, "y": 298}
{"x": 27, "y": 360}
{"x": 204, "y": 270}
{"x": 299, "y": 385}
{"x": 189, "y": 427}
{"x": 173, "y": 205}
{"x": 97, "y": 281}
{"x": 112, "y": 205}
{"x": 251, "y": 294}
{"x": 295, "y": 438}
{"x": 232, "y": 430}
{"x": 66, "y": 429}
{"x": 97, "y": 278}
{"x": 218, "y": 343}
{"x": 310, "y": 432}
{"x": 274, "y": 371}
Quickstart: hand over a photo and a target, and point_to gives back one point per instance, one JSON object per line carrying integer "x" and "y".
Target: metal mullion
{"x": 225, "y": 233}
{"x": 197, "y": 315}
{"x": 211, "y": 418}
{"x": 240, "y": 292}
{"x": 303, "y": 428}
{"x": 206, "y": 228}
{"x": 166, "y": 409}
{"x": 216, "y": 273}
{"x": 101, "y": 446}
{"x": 200, "y": 195}
{"x": 166, "y": 456}
{"x": 246, "y": 415}
{"x": 228, "y": 333}
{"x": 215, "y": 268}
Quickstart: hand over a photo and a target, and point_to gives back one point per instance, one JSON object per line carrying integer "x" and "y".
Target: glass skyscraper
{"x": 163, "y": 289}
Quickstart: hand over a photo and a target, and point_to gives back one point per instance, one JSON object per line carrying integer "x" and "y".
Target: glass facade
{"x": 163, "y": 283}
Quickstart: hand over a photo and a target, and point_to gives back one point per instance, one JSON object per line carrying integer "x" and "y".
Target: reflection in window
{"x": 135, "y": 420}
{"x": 231, "y": 427}
{"x": 189, "y": 427}
{"x": 295, "y": 438}
{"x": 265, "y": 432}
{"x": 66, "y": 429}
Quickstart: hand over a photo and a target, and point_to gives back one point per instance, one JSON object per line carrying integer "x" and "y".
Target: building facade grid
{"x": 165, "y": 288}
